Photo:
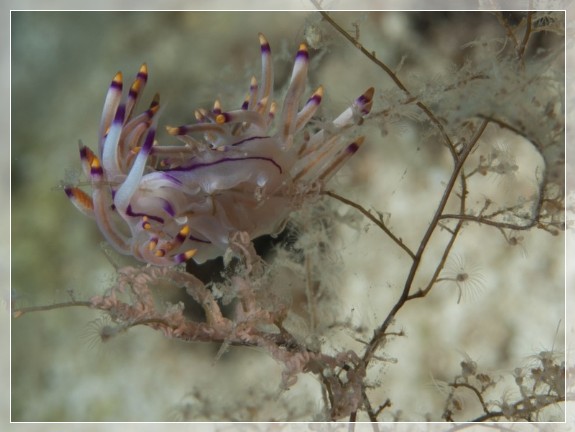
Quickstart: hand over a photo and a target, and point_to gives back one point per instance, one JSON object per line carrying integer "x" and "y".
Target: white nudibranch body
{"x": 167, "y": 204}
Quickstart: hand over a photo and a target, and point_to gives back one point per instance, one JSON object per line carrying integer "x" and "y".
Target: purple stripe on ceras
{"x": 265, "y": 48}
{"x": 180, "y": 130}
{"x": 315, "y": 99}
{"x": 364, "y": 101}
{"x": 352, "y": 148}
{"x": 253, "y": 92}
{"x": 154, "y": 106}
{"x": 148, "y": 143}
{"x": 120, "y": 114}
{"x": 302, "y": 55}
{"x": 180, "y": 238}
{"x": 116, "y": 85}
{"x": 180, "y": 258}
{"x": 224, "y": 160}
{"x": 96, "y": 171}
{"x": 84, "y": 153}
{"x": 142, "y": 76}
{"x": 155, "y": 102}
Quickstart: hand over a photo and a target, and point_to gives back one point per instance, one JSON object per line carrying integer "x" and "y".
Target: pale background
{"x": 61, "y": 66}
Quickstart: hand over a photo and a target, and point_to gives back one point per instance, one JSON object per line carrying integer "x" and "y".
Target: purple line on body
{"x": 132, "y": 213}
{"x": 224, "y": 160}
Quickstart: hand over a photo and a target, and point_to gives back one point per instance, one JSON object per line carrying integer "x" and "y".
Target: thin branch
{"x": 372, "y": 218}
{"x": 508, "y": 30}
{"x": 522, "y": 413}
{"x": 507, "y": 126}
{"x": 372, "y": 416}
{"x": 478, "y": 394}
{"x": 384, "y": 405}
{"x": 18, "y": 312}
{"x": 484, "y": 221}
{"x": 379, "y": 334}
{"x": 352, "y": 420}
{"x": 454, "y": 234}
{"x": 521, "y": 49}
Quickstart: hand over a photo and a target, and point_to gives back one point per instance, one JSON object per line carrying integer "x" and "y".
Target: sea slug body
{"x": 236, "y": 171}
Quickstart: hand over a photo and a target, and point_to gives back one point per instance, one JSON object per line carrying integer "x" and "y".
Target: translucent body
{"x": 167, "y": 204}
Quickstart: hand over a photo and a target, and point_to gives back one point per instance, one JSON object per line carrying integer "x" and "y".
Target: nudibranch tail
{"x": 241, "y": 170}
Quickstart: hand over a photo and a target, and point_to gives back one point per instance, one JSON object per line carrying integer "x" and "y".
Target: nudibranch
{"x": 236, "y": 171}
